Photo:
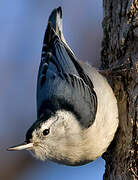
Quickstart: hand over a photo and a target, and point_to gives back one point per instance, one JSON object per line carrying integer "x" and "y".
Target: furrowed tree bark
{"x": 119, "y": 58}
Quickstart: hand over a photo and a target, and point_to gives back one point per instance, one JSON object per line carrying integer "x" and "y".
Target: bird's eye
{"x": 46, "y": 132}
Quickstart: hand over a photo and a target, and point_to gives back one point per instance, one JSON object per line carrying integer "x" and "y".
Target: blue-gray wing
{"x": 62, "y": 82}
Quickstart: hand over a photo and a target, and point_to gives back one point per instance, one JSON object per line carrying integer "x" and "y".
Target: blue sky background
{"x": 22, "y": 27}
{"x": 52, "y": 171}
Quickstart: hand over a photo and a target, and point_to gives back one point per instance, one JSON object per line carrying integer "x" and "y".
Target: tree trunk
{"x": 119, "y": 58}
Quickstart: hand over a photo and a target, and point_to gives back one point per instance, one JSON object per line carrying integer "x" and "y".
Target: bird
{"x": 77, "y": 113}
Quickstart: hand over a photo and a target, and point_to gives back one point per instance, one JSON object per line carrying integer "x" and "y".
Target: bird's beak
{"x": 21, "y": 147}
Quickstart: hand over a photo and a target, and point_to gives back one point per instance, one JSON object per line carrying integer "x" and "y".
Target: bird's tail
{"x": 55, "y": 27}
{"x": 55, "y": 19}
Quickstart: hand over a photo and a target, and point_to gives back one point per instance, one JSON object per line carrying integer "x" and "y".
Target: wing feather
{"x": 62, "y": 81}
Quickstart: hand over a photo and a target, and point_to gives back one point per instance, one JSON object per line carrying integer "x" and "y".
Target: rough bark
{"x": 119, "y": 58}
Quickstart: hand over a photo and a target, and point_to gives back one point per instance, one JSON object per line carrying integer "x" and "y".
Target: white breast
{"x": 101, "y": 133}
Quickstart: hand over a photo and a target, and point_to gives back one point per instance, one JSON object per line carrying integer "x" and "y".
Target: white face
{"x": 59, "y": 139}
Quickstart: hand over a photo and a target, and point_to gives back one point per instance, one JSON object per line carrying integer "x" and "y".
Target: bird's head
{"x": 58, "y": 137}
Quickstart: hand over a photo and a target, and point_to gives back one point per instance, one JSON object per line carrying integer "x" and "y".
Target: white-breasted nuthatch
{"x": 77, "y": 114}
